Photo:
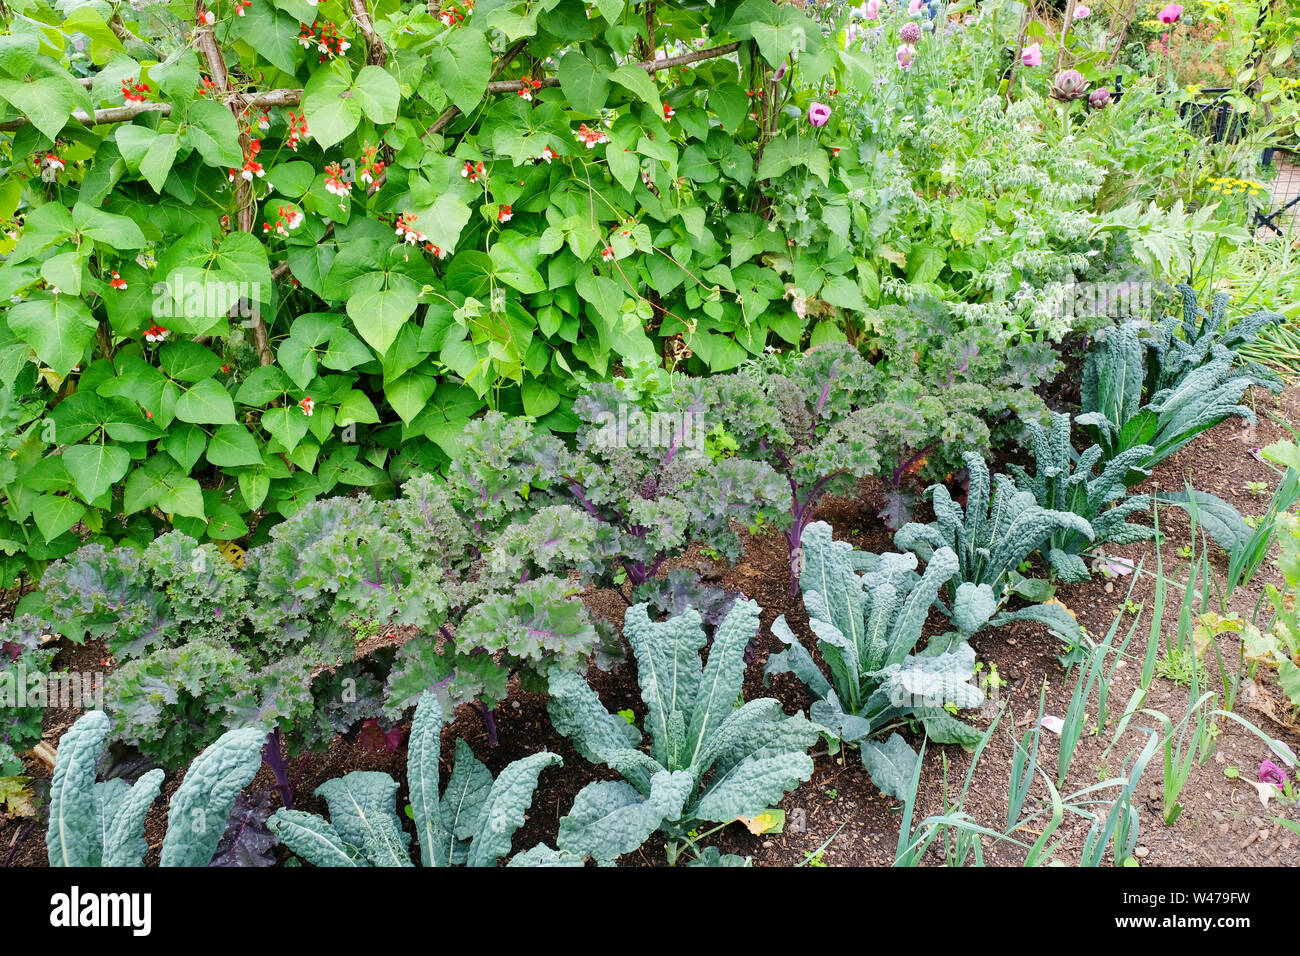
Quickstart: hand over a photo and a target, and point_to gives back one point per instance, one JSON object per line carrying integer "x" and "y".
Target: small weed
{"x": 1185, "y": 551}
{"x": 815, "y": 859}
{"x": 1177, "y": 665}
{"x": 628, "y": 715}
{"x": 1132, "y": 607}
{"x": 832, "y": 793}
{"x": 992, "y": 682}
{"x": 1257, "y": 487}
{"x": 1232, "y": 773}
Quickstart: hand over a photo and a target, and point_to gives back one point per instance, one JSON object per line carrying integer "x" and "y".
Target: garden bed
{"x": 840, "y": 810}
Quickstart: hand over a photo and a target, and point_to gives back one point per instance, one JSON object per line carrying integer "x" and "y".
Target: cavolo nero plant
{"x": 712, "y": 758}
{"x": 1064, "y": 481}
{"x": 999, "y": 528}
{"x": 469, "y": 823}
{"x": 1201, "y": 391}
{"x": 868, "y": 612}
{"x": 1180, "y": 344}
{"x": 102, "y": 823}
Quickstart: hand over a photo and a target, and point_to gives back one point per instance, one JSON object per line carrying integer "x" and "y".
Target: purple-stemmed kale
{"x": 247, "y": 840}
{"x": 641, "y": 468}
{"x": 505, "y": 547}
{"x": 809, "y": 418}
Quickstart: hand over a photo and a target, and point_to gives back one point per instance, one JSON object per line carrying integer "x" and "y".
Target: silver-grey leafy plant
{"x": 471, "y": 823}
{"x": 102, "y": 824}
{"x": 999, "y": 528}
{"x": 710, "y": 758}
{"x": 1064, "y": 481}
{"x": 868, "y": 612}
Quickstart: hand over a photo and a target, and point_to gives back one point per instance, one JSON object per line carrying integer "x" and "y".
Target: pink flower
{"x": 905, "y": 54}
{"x": 910, "y": 33}
{"x": 1032, "y": 55}
{"x": 1269, "y": 772}
{"x": 871, "y": 9}
{"x": 819, "y": 114}
{"x": 1081, "y": 11}
{"x": 915, "y": 6}
{"x": 1171, "y": 13}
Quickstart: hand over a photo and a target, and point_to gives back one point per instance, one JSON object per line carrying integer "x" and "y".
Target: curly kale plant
{"x": 22, "y": 657}
{"x": 102, "y": 824}
{"x": 999, "y": 528}
{"x": 470, "y": 823}
{"x": 711, "y": 758}
{"x": 335, "y": 566}
{"x": 173, "y": 591}
{"x": 640, "y": 467}
{"x": 512, "y": 605}
{"x": 961, "y": 383}
{"x": 868, "y": 626}
{"x": 206, "y": 646}
{"x": 811, "y": 418}
{"x": 1064, "y": 481}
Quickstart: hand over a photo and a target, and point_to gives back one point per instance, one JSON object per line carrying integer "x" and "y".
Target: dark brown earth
{"x": 839, "y": 810}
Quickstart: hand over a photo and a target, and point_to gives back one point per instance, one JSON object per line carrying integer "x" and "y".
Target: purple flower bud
{"x": 779, "y": 75}
{"x": 1099, "y": 98}
{"x": 1069, "y": 85}
{"x": 910, "y": 32}
{"x": 819, "y": 114}
{"x": 1269, "y": 772}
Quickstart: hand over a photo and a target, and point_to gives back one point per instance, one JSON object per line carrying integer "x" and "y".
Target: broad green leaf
{"x": 58, "y": 327}
{"x": 585, "y": 87}
{"x": 55, "y": 514}
{"x": 378, "y": 94}
{"x": 158, "y": 159}
{"x": 206, "y": 403}
{"x": 380, "y": 304}
{"x": 232, "y": 446}
{"x": 330, "y": 105}
{"x": 95, "y": 468}
{"x": 110, "y": 230}
{"x": 213, "y": 132}
{"x": 461, "y": 67}
{"x": 48, "y": 101}
{"x": 638, "y": 81}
